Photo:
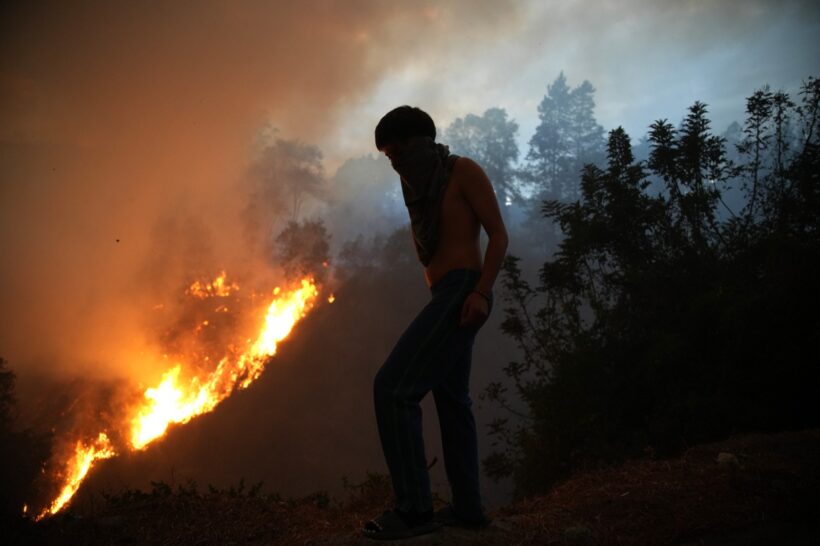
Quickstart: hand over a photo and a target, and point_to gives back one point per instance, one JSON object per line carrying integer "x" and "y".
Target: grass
{"x": 748, "y": 489}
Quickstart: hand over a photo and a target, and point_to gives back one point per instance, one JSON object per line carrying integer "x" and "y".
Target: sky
{"x": 127, "y": 129}
{"x": 647, "y": 60}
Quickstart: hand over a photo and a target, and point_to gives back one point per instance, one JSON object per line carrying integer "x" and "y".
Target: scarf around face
{"x": 424, "y": 167}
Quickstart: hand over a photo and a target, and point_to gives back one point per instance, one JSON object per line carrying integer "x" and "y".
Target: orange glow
{"x": 218, "y": 287}
{"x": 169, "y": 402}
{"x": 176, "y": 401}
{"x": 331, "y": 298}
{"x": 186, "y": 391}
{"x": 76, "y": 469}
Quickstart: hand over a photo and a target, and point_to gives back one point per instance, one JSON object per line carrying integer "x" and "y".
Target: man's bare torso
{"x": 458, "y": 246}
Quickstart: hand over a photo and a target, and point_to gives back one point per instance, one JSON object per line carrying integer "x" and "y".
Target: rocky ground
{"x": 748, "y": 489}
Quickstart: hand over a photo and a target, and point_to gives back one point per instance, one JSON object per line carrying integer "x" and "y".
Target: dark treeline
{"x": 662, "y": 320}
{"x": 22, "y": 452}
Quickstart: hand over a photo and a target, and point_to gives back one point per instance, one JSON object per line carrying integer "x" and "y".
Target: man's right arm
{"x": 479, "y": 193}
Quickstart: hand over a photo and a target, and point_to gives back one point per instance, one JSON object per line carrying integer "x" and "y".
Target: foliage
{"x": 164, "y": 493}
{"x": 658, "y": 324}
{"x": 303, "y": 248}
{"x": 22, "y": 453}
{"x": 489, "y": 139}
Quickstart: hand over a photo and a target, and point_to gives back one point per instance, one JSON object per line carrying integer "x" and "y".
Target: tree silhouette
{"x": 303, "y": 248}
{"x": 694, "y": 168}
{"x": 550, "y": 145}
{"x": 566, "y": 138}
{"x": 22, "y": 453}
{"x": 657, "y": 325}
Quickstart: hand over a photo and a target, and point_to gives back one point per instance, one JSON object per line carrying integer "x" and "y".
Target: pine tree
{"x": 567, "y": 138}
{"x": 550, "y": 146}
{"x": 587, "y": 136}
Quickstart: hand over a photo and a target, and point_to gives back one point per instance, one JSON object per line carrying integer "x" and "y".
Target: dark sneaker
{"x": 447, "y": 516}
{"x": 394, "y": 525}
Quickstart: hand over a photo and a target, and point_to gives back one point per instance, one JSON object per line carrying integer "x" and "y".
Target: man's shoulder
{"x": 465, "y": 168}
{"x": 466, "y": 171}
{"x": 464, "y": 163}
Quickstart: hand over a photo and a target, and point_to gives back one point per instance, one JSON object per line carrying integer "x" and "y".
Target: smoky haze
{"x": 128, "y": 140}
{"x": 133, "y": 160}
{"x": 126, "y": 134}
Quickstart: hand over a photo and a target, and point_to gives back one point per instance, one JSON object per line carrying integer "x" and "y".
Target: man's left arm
{"x": 479, "y": 193}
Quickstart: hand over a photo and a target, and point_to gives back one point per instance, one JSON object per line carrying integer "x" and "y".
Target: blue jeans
{"x": 433, "y": 354}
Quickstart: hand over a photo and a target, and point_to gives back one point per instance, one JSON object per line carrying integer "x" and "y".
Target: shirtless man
{"x": 449, "y": 199}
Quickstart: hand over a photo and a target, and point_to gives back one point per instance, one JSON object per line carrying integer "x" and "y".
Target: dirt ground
{"x": 749, "y": 489}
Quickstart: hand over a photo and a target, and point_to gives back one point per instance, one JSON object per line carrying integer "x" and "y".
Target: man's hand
{"x": 475, "y": 310}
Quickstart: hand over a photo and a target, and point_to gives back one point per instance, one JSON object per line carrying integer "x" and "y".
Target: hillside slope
{"x": 748, "y": 489}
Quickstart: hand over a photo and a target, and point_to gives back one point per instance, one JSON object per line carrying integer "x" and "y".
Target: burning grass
{"x": 212, "y": 366}
{"x": 185, "y": 515}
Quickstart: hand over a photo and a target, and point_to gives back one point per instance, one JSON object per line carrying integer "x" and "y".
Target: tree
{"x": 22, "y": 453}
{"x": 489, "y": 139}
{"x": 303, "y": 248}
{"x": 283, "y": 178}
{"x": 693, "y": 165}
{"x": 755, "y": 143}
{"x": 567, "y": 138}
{"x": 800, "y": 208}
{"x": 656, "y": 325}
{"x": 550, "y": 146}
{"x": 586, "y": 134}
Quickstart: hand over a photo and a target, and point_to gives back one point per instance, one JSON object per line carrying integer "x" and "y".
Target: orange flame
{"x": 177, "y": 399}
{"x": 174, "y": 401}
{"x": 218, "y": 287}
{"x": 79, "y": 465}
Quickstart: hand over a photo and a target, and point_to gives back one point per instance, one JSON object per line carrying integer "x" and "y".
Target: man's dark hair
{"x": 402, "y": 123}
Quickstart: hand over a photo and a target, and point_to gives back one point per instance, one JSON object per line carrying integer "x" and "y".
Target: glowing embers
{"x": 218, "y": 287}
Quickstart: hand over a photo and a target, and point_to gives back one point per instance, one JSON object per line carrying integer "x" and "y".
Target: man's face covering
{"x": 414, "y": 160}
{"x": 424, "y": 167}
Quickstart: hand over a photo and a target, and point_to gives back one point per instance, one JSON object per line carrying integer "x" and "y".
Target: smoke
{"x": 125, "y": 140}
{"x": 647, "y": 59}
{"x": 129, "y": 141}
{"x": 366, "y": 190}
